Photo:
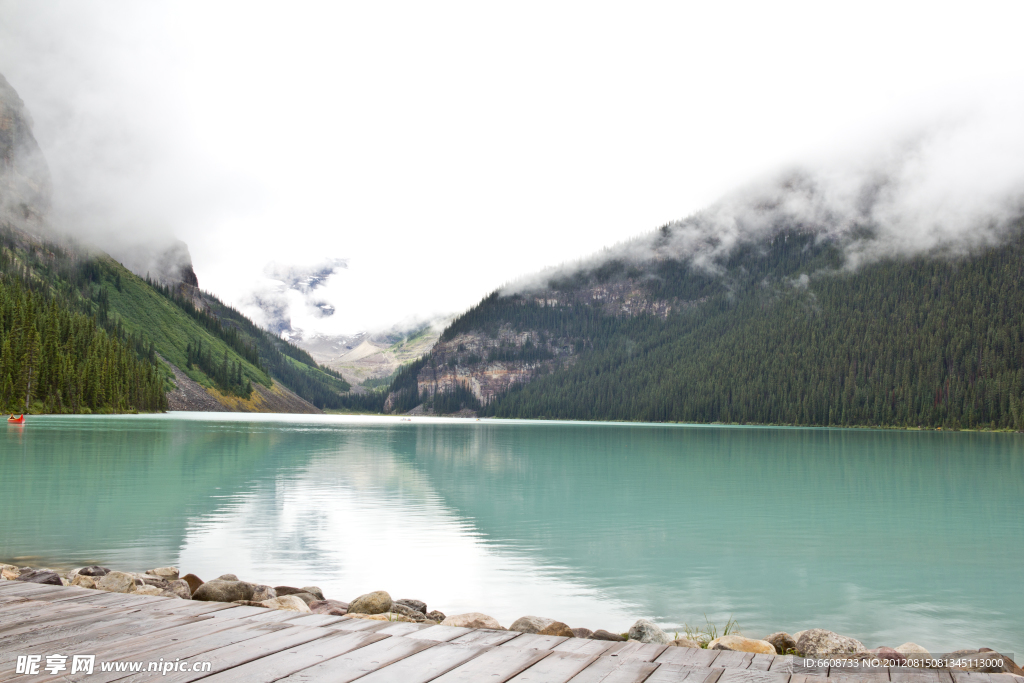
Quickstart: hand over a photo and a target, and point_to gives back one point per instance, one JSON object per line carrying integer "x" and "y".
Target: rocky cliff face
{"x": 25, "y": 186}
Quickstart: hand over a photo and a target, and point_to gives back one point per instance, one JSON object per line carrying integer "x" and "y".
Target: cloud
{"x": 290, "y": 298}
{"x": 101, "y": 83}
{"x": 943, "y": 189}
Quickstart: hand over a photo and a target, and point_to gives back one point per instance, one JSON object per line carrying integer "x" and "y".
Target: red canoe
{"x": 16, "y": 420}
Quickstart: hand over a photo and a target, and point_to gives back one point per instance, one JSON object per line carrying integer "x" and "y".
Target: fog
{"x": 443, "y": 150}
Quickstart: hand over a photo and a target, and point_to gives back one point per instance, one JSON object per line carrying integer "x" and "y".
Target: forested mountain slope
{"x": 144, "y": 325}
{"x": 779, "y": 331}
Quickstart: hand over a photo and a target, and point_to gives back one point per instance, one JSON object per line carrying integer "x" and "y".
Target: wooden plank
{"x": 439, "y": 633}
{"x": 498, "y": 665}
{"x": 272, "y": 615}
{"x": 361, "y": 625}
{"x": 33, "y": 621}
{"x": 84, "y": 635}
{"x": 676, "y": 673}
{"x": 905, "y": 675}
{"x": 180, "y": 650}
{"x": 585, "y": 646}
{"x": 751, "y": 676}
{"x": 761, "y": 662}
{"x": 134, "y": 647}
{"x": 535, "y": 641}
{"x": 293, "y": 659}
{"x": 244, "y": 612}
{"x": 191, "y": 607}
{"x": 871, "y": 675}
{"x": 730, "y": 659}
{"x": 228, "y": 655}
{"x": 401, "y": 628}
{"x": 795, "y": 665}
{"x": 70, "y": 593}
{"x": 34, "y": 610}
{"x": 25, "y": 587}
{"x": 427, "y": 665}
{"x": 315, "y": 619}
{"x": 691, "y": 656}
{"x": 611, "y": 669}
{"x": 358, "y": 663}
{"x": 557, "y": 667}
{"x": 487, "y": 636}
{"x": 807, "y": 678}
{"x": 7, "y": 600}
{"x": 635, "y": 650}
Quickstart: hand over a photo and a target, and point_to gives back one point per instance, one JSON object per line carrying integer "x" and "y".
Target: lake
{"x": 887, "y": 536}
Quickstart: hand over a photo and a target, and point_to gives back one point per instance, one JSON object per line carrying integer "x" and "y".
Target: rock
{"x": 226, "y": 577}
{"x": 886, "y": 653}
{"x": 646, "y": 631}
{"x": 1010, "y": 666}
{"x": 41, "y": 576}
{"x": 911, "y": 649}
{"x": 219, "y": 590}
{"x": 146, "y": 589}
{"x": 436, "y": 615}
{"x": 116, "y": 582}
{"x": 377, "y": 602}
{"x": 471, "y": 620}
{"x": 64, "y": 582}
{"x": 582, "y": 632}
{"x": 261, "y": 593}
{"x": 796, "y": 636}
{"x": 152, "y": 581}
{"x": 83, "y": 581}
{"x": 8, "y": 572}
{"x": 556, "y": 628}
{"x": 94, "y": 570}
{"x": 287, "y": 590}
{"x": 685, "y": 642}
{"x": 817, "y": 643}
{"x": 530, "y": 624}
{"x": 289, "y": 602}
{"x": 249, "y": 603}
{"x": 305, "y": 597}
{"x": 601, "y": 634}
{"x": 314, "y": 591}
{"x": 179, "y": 589}
{"x": 741, "y": 644}
{"x": 165, "y": 573}
{"x": 782, "y": 641}
{"x": 415, "y": 605}
{"x": 387, "y": 616}
{"x": 333, "y": 607}
{"x": 399, "y": 608}
{"x": 193, "y": 581}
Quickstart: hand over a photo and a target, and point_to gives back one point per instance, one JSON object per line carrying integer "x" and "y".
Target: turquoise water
{"x": 887, "y": 536}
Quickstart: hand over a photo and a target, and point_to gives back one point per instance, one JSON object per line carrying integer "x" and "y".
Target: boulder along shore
{"x": 813, "y": 643}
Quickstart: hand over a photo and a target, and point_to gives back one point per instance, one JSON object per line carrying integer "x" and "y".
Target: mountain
{"x": 370, "y": 360}
{"x": 781, "y": 325}
{"x": 80, "y": 332}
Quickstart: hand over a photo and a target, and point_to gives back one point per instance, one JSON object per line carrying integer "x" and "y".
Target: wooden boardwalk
{"x": 256, "y": 645}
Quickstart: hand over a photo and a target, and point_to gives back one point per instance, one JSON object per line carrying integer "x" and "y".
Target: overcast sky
{"x": 443, "y": 149}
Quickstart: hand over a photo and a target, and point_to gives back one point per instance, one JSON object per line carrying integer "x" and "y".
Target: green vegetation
{"x": 213, "y": 344}
{"x": 703, "y": 635}
{"x": 55, "y": 360}
{"x": 930, "y": 341}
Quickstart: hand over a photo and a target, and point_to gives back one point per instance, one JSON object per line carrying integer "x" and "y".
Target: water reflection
{"x": 887, "y": 535}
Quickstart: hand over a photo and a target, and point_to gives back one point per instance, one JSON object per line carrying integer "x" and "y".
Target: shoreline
{"x": 456, "y": 419}
{"x": 812, "y": 644}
